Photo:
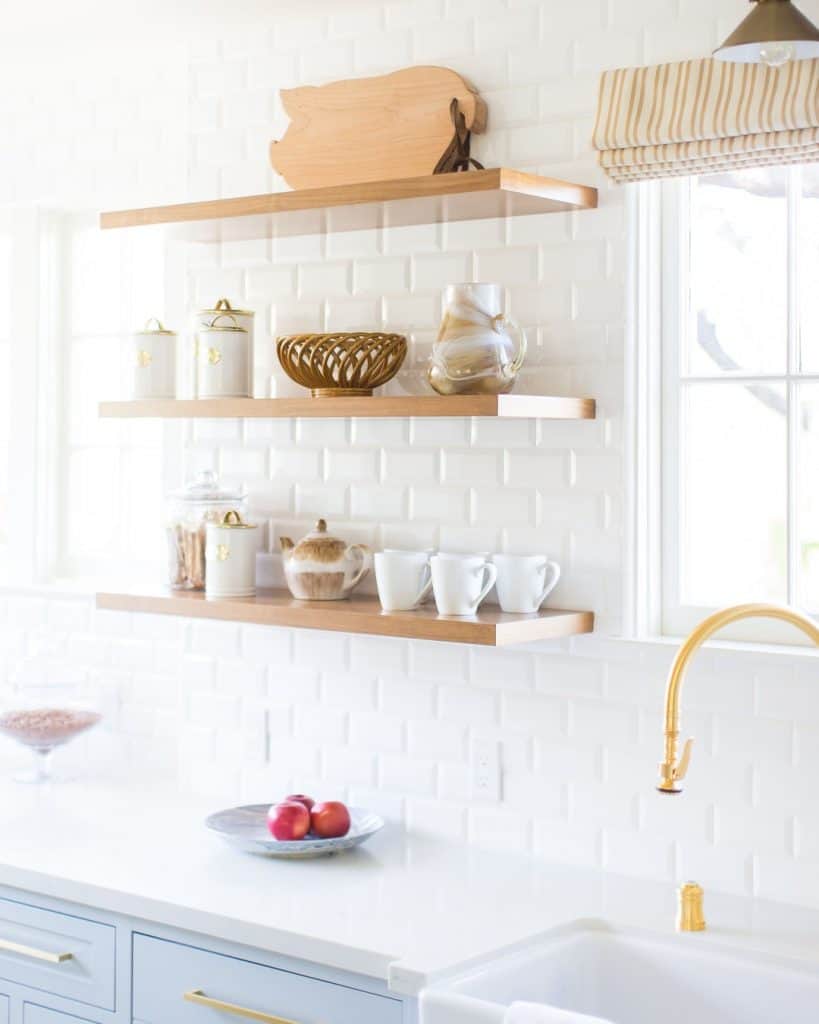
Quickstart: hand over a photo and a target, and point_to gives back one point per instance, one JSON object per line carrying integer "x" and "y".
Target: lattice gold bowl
{"x": 347, "y": 363}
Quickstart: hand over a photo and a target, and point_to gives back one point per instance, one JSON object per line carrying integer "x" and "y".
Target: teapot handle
{"x": 362, "y": 553}
{"x": 507, "y": 323}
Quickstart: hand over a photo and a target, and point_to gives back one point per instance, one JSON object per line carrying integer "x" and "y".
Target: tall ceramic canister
{"x": 230, "y": 557}
{"x": 246, "y": 318}
{"x": 223, "y": 359}
{"x": 152, "y": 359}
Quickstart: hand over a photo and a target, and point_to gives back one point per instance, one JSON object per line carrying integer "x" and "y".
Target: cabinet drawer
{"x": 165, "y": 971}
{"x": 34, "y": 1014}
{"x": 60, "y": 953}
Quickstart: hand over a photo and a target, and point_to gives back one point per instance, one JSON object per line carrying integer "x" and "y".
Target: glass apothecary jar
{"x": 189, "y": 512}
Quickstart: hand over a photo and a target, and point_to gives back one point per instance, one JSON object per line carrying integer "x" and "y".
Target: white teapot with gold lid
{"x": 322, "y": 567}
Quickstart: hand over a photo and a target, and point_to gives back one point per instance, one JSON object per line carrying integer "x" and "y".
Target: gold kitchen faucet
{"x": 674, "y": 767}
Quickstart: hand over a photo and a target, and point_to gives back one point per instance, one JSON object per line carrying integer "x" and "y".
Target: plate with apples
{"x": 297, "y": 826}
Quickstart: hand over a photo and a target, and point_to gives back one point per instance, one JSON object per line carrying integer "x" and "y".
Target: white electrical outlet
{"x": 485, "y": 766}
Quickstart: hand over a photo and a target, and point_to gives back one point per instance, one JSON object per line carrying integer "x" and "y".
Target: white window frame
{"x": 40, "y": 358}
{"x": 33, "y": 397}
{"x": 659, "y": 232}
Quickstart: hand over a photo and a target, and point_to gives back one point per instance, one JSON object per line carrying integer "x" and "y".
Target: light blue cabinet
{"x": 62, "y": 963}
{"x": 81, "y": 967}
{"x": 34, "y": 1014}
{"x": 166, "y": 972}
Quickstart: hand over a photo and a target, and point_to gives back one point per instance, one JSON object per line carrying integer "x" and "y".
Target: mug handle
{"x": 363, "y": 554}
{"x": 552, "y": 577}
{"x": 426, "y": 586}
{"x": 492, "y": 571}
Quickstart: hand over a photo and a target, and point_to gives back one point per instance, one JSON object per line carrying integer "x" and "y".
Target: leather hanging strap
{"x": 456, "y": 157}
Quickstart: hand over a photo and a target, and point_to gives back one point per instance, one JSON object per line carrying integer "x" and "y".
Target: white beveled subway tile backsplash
{"x": 241, "y": 712}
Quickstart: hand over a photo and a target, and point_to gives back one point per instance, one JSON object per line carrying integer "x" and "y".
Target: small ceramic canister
{"x": 230, "y": 555}
{"x": 152, "y": 360}
{"x": 223, "y": 359}
{"x": 246, "y": 318}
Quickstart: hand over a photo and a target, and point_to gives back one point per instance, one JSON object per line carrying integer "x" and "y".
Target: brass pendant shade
{"x": 773, "y": 33}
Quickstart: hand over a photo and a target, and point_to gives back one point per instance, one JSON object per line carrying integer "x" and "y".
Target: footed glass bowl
{"x": 43, "y": 715}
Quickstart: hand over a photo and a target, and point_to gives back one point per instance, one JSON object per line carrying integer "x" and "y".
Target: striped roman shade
{"x": 702, "y": 116}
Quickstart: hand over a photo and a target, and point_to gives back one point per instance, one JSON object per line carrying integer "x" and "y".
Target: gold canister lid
{"x": 233, "y": 521}
{"x": 214, "y": 326}
{"x": 159, "y": 329}
{"x": 224, "y": 306}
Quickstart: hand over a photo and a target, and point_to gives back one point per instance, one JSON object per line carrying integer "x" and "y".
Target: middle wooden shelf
{"x": 547, "y": 407}
{"x": 490, "y": 627}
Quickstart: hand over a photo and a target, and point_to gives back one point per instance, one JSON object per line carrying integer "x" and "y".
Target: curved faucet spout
{"x": 674, "y": 767}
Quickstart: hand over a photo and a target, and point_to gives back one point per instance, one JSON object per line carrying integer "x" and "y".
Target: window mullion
{"x": 792, "y": 395}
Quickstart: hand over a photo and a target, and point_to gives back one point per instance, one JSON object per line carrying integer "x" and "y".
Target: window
{"x": 5, "y": 382}
{"x": 739, "y": 379}
{"x": 87, "y": 492}
{"x": 110, "y": 471}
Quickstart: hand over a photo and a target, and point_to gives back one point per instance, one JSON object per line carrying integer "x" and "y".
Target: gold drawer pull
{"x": 35, "y": 954}
{"x": 198, "y": 996}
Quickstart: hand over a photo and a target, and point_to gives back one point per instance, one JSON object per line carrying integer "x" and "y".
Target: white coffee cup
{"x": 403, "y": 579}
{"x": 461, "y": 582}
{"x": 524, "y": 581}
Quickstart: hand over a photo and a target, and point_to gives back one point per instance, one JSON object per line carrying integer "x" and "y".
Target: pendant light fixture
{"x": 773, "y": 33}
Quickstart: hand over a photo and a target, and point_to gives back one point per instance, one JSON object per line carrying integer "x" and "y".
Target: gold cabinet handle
{"x": 198, "y": 996}
{"x": 36, "y": 954}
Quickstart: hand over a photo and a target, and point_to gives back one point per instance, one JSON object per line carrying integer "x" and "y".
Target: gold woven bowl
{"x": 348, "y": 363}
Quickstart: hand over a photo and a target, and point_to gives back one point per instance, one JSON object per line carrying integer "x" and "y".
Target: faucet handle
{"x": 673, "y": 769}
{"x": 684, "y": 761}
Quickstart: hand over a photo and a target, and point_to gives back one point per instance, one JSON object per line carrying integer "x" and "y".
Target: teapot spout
{"x": 287, "y": 545}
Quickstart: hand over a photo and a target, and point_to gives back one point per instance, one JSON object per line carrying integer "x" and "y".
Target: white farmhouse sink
{"x": 630, "y": 979}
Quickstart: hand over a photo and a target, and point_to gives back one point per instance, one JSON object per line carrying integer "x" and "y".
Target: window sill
{"x": 799, "y": 649}
{"x": 73, "y": 589}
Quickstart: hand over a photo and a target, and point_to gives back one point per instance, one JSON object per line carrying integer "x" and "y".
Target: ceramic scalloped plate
{"x": 246, "y": 828}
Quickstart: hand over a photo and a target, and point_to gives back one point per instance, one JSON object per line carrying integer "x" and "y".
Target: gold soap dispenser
{"x": 690, "y": 916}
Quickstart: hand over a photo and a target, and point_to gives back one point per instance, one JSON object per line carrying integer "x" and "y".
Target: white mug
{"x": 461, "y": 582}
{"x": 524, "y": 581}
{"x": 403, "y": 579}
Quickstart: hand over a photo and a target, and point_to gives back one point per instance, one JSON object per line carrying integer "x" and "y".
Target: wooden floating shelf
{"x": 430, "y": 199}
{"x": 510, "y": 407}
{"x": 490, "y": 627}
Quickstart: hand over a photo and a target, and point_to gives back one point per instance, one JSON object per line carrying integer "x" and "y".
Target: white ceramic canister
{"x": 246, "y": 318}
{"x": 152, "y": 353}
{"x": 222, "y": 359}
{"x": 230, "y": 557}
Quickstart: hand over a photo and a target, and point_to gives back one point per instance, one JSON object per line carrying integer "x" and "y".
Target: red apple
{"x": 330, "y": 819}
{"x": 288, "y": 820}
{"x": 300, "y": 798}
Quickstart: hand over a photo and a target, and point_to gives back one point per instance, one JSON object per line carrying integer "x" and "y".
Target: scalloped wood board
{"x": 372, "y": 129}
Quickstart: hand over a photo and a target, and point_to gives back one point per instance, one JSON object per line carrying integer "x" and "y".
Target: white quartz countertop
{"x": 403, "y": 908}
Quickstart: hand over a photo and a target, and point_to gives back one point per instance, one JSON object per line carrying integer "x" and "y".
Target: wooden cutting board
{"x": 372, "y": 129}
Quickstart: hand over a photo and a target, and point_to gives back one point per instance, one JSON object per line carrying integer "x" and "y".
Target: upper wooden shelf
{"x": 499, "y": 406}
{"x": 490, "y": 627}
{"x": 430, "y": 199}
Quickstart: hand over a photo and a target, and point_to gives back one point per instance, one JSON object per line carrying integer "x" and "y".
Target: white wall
{"x": 252, "y": 713}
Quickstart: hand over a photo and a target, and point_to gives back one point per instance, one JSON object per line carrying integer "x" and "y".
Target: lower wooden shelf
{"x": 490, "y": 627}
